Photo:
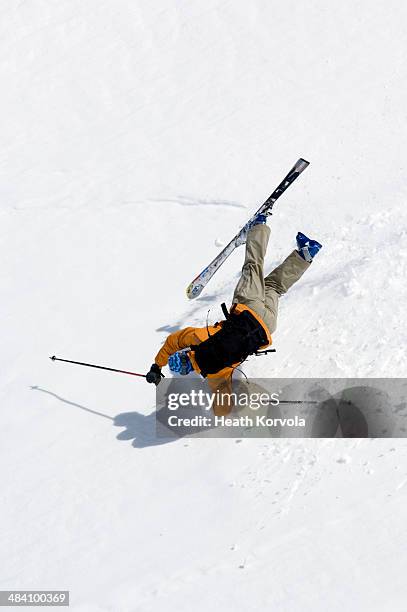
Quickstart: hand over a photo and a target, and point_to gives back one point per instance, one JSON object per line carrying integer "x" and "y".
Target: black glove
{"x": 154, "y": 375}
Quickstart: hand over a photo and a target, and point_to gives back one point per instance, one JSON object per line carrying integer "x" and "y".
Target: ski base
{"x": 196, "y": 287}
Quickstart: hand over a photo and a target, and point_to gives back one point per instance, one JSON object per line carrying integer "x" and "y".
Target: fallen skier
{"x": 215, "y": 351}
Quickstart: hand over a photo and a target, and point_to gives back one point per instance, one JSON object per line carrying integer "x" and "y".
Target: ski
{"x": 195, "y": 288}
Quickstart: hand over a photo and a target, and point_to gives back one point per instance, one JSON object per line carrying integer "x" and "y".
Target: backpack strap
{"x": 225, "y": 310}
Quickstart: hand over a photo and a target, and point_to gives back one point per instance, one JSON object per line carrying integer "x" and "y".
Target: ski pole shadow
{"x": 139, "y": 428}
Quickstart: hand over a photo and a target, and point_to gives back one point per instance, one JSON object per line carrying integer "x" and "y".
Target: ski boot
{"x": 260, "y": 219}
{"x": 306, "y": 247}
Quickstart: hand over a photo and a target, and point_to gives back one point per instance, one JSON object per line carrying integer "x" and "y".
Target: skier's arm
{"x": 180, "y": 339}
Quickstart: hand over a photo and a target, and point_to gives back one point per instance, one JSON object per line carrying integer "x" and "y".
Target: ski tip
{"x": 303, "y": 163}
{"x": 193, "y": 290}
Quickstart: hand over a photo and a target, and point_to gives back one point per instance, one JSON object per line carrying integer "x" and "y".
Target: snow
{"x": 136, "y": 137}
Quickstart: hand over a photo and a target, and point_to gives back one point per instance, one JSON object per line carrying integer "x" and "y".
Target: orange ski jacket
{"x": 190, "y": 336}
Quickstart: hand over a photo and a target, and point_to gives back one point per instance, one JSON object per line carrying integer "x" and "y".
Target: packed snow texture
{"x": 137, "y": 137}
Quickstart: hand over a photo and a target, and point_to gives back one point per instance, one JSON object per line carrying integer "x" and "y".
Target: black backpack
{"x": 241, "y": 335}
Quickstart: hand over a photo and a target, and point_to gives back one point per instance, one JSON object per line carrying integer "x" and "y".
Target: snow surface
{"x": 135, "y": 138}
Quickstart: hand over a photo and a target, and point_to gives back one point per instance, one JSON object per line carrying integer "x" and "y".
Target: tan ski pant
{"x": 259, "y": 293}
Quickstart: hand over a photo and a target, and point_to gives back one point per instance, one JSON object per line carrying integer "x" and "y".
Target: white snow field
{"x": 136, "y": 137}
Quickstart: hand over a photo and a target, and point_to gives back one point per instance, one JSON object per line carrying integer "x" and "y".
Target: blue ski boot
{"x": 306, "y": 247}
{"x": 260, "y": 219}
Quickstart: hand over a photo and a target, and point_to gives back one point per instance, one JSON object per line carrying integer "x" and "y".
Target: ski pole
{"x": 91, "y": 365}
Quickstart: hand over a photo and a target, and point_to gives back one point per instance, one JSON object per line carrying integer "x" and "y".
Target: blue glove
{"x": 180, "y": 363}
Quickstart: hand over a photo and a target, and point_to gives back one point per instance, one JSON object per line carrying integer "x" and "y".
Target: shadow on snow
{"x": 138, "y": 427}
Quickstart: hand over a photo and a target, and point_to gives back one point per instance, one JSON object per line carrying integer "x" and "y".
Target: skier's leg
{"x": 286, "y": 274}
{"x": 271, "y": 309}
{"x": 250, "y": 290}
{"x": 278, "y": 282}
